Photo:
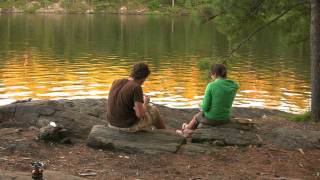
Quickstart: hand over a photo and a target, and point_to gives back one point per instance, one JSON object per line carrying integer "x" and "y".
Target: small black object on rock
{"x": 55, "y": 133}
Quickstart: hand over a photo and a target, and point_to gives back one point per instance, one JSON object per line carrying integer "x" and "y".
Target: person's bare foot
{"x": 184, "y": 126}
{"x": 184, "y": 132}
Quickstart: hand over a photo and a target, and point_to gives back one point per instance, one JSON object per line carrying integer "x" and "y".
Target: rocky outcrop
{"x": 158, "y": 141}
{"x": 79, "y": 116}
{"x": 294, "y": 138}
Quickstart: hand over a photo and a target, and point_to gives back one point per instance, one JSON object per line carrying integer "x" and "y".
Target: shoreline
{"x": 57, "y": 9}
{"x": 187, "y": 109}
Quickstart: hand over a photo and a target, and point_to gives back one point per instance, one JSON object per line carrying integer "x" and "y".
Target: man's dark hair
{"x": 219, "y": 69}
{"x": 140, "y": 71}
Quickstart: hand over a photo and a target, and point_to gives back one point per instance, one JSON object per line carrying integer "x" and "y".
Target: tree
{"x": 315, "y": 59}
{"x": 260, "y": 10}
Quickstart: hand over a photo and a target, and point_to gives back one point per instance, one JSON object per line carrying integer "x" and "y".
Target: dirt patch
{"x": 227, "y": 163}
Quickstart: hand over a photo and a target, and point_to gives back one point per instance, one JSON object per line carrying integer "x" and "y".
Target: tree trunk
{"x": 315, "y": 59}
{"x": 172, "y": 3}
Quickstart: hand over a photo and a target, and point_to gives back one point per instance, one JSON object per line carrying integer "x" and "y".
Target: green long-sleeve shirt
{"x": 218, "y": 98}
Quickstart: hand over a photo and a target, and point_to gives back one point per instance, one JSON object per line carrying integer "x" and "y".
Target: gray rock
{"x": 227, "y": 136}
{"x": 233, "y": 125}
{"x": 55, "y": 134}
{"x": 42, "y": 122}
{"x": 294, "y": 138}
{"x": 77, "y": 115}
{"x": 7, "y": 113}
{"x": 158, "y": 141}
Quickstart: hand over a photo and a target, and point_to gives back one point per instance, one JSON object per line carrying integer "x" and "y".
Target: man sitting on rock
{"x": 128, "y": 108}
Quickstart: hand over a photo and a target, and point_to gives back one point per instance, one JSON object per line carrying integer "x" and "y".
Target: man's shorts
{"x": 202, "y": 120}
{"x": 145, "y": 123}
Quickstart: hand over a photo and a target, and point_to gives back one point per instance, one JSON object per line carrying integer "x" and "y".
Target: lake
{"x": 79, "y": 56}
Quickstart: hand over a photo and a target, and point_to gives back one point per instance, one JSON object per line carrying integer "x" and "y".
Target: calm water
{"x": 78, "y": 56}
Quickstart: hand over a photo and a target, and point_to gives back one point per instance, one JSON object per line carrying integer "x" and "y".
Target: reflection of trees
{"x": 68, "y": 37}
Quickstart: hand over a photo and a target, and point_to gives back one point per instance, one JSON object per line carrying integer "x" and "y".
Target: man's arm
{"x": 141, "y": 108}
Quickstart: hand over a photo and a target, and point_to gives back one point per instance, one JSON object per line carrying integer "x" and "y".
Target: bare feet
{"x": 184, "y": 132}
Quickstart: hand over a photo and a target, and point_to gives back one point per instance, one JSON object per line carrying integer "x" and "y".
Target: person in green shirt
{"x": 217, "y": 102}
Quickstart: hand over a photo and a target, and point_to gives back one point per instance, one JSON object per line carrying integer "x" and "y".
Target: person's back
{"x": 120, "y": 108}
{"x": 127, "y": 107}
{"x": 218, "y": 100}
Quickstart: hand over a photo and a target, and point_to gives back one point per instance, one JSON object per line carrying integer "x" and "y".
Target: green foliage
{"x": 188, "y": 4}
{"x": 74, "y": 6}
{"x": 241, "y": 17}
{"x": 100, "y": 5}
{"x": 204, "y": 63}
{"x": 66, "y": 3}
{"x": 32, "y": 7}
{"x": 206, "y": 12}
{"x": 301, "y": 117}
{"x": 153, "y": 5}
{"x": 11, "y": 3}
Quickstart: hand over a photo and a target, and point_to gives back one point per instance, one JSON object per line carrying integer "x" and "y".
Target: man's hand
{"x": 146, "y": 99}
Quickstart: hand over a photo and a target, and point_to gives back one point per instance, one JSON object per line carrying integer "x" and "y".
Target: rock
{"x": 7, "y": 113}
{"x": 123, "y": 9}
{"x": 15, "y": 10}
{"x": 76, "y": 115}
{"x": 232, "y": 125}
{"x": 228, "y": 136}
{"x": 89, "y": 11}
{"x": 294, "y": 138}
{"x": 50, "y": 133}
{"x": 158, "y": 141}
{"x": 47, "y": 111}
{"x": 33, "y": 128}
{"x": 52, "y": 175}
{"x": 42, "y": 122}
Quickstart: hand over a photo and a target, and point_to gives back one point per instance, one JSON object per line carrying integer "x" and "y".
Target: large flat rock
{"x": 226, "y": 136}
{"x": 294, "y": 138}
{"x": 158, "y": 141}
{"x": 78, "y": 116}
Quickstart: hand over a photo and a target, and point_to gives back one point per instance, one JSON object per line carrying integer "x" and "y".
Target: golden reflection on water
{"x": 178, "y": 84}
